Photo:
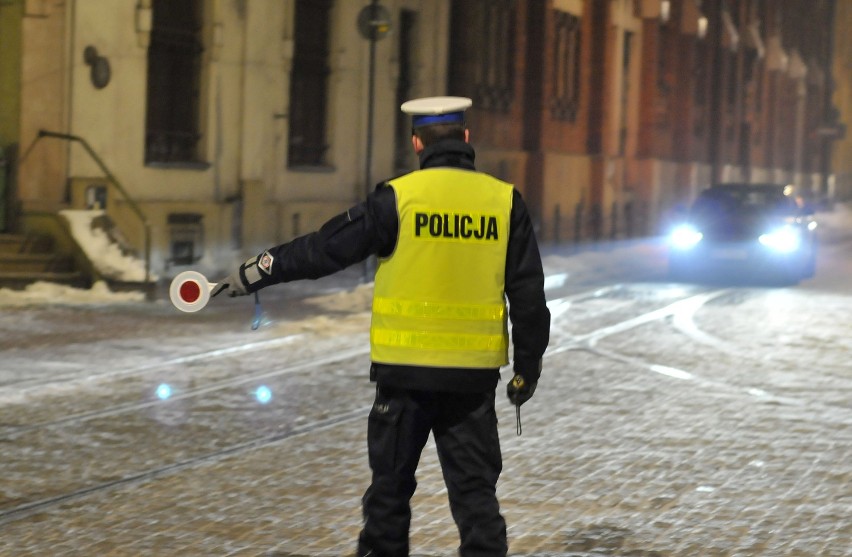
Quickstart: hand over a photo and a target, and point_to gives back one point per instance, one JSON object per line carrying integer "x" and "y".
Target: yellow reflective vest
{"x": 438, "y": 299}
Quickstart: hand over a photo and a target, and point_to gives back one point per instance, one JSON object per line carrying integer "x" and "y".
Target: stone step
{"x": 12, "y": 243}
{"x": 20, "y": 280}
{"x": 35, "y": 263}
{"x": 21, "y": 243}
{"x": 29, "y": 258}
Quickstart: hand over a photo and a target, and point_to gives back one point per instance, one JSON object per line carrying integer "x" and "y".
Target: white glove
{"x": 254, "y": 273}
{"x": 232, "y": 285}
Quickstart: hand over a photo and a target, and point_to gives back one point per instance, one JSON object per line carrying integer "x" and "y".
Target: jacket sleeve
{"x": 365, "y": 229}
{"x": 525, "y": 292}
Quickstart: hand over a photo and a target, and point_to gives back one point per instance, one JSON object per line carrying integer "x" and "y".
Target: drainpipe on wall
{"x": 715, "y": 131}
{"x": 799, "y": 71}
{"x": 829, "y": 115}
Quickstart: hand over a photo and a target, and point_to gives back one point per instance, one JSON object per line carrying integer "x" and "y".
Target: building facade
{"x": 210, "y": 129}
{"x": 840, "y": 150}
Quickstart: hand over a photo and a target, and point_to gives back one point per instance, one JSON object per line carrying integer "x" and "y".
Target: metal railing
{"x": 109, "y": 175}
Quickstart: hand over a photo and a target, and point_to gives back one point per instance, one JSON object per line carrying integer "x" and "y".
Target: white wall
{"x": 244, "y": 105}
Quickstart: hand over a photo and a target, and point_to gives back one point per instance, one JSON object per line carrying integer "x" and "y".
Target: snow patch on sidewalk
{"x": 46, "y": 293}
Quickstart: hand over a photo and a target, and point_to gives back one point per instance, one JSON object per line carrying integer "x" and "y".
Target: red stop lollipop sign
{"x": 190, "y": 291}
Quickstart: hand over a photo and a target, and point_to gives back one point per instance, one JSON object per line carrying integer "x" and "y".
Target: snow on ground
{"x": 839, "y": 218}
{"x": 558, "y": 267}
{"x": 45, "y": 293}
{"x": 103, "y": 252}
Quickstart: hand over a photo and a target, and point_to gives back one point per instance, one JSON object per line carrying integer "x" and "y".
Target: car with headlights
{"x": 742, "y": 230}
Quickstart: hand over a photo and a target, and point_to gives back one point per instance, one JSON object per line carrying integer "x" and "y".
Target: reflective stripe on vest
{"x": 438, "y": 298}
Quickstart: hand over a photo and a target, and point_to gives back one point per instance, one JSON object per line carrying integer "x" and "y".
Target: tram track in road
{"x": 146, "y": 473}
{"x": 24, "y": 510}
{"x": 229, "y": 351}
{"x": 127, "y": 475}
{"x": 186, "y": 394}
{"x": 29, "y": 508}
{"x": 681, "y": 310}
{"x": 558, "y": 307}
{"x": 7, "y": 432}
{"x": 681, "y": 313}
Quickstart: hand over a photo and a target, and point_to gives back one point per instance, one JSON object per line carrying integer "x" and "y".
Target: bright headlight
{"x": 685, "y": 237}
{"x": 782, "y": 240}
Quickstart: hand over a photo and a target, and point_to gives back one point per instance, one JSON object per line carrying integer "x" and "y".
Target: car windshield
{"x": 743, "y": 201}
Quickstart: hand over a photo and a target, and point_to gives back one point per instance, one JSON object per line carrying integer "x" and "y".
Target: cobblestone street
{"x": 662, "y": 427}
{"x": 257, "y": 255}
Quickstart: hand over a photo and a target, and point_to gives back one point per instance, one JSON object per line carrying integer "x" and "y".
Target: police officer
{"x": 453, "y": 245}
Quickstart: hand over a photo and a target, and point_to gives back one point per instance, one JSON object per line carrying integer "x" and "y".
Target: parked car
{"x": 745, "y": 230}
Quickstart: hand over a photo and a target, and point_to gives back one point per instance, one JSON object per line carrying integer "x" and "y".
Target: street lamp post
{"x": 374, "y": 24}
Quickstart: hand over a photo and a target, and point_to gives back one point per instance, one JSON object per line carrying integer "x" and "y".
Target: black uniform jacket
{"x": 370, "y": 228}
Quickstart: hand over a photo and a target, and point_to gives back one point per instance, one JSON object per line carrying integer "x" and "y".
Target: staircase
{"x": 25, "y": 259}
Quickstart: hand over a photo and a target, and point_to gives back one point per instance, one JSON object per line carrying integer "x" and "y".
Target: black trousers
{"x": 465, "y": 430}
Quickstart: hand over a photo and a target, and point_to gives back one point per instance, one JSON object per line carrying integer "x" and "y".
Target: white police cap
{"x": 436, "y": 110}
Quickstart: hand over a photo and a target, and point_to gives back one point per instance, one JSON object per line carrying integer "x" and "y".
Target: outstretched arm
{"x": 348, "y": 238}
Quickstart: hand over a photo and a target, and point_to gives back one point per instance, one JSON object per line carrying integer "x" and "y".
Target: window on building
{"x": 565, "y": 98}
{"x": 309, "y": 84}
{"x": 172, "y": 127}
{"x": 494, "y": 29}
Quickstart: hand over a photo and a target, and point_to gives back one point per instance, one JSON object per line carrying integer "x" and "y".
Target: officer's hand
{"x": 519, "y": 390}
{"x": 232, "y": 286}
{"x": 252, "y": 275}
